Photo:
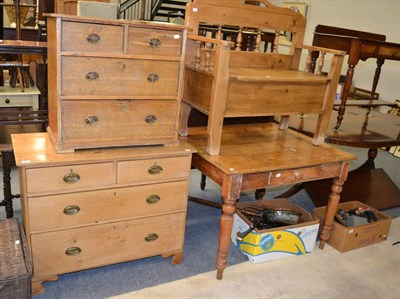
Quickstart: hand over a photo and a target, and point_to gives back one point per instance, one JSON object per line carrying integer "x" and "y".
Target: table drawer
{"x": 304, "y": 174}
{"x": 73, "y": 177}
{"x": 137, "y": 171}
{"x": 92, "y": 38}
{"x": 19, "y": 101}
{"x": 82, "y": 248}
{"x": 119, "y": 77}
{"x": 146, "y": 41}
{"x": 93, "y": 121}
{"x": 73, "y": 209}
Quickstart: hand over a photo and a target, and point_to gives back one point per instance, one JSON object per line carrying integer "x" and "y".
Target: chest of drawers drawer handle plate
{"x": 93, "y": 38}
{"x": 152, "y": 78}
{"x": 71, "y": 178}
{"x": 73, "y": 251}
{"x": 155, "y": 169}
{"x": 91, "y": 120}
{"x": 92, "y": 76}
{"x": 151, "y": 237}
{"x": 152, "y": 199}
{"x": 150, "y": 119}
{"x": 154, "y": 42}
{"x": 71, "y": 210}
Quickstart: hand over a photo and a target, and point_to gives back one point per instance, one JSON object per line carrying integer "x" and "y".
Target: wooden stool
{"x": 16, "y": 69}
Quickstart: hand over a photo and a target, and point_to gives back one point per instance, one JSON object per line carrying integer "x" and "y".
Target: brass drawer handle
{"x": 298, "y": 175}
{"x": 71, "y": 210}
{"x": 92, "y": 76}
{"x": 93, "y": 38}
{"x": 72, "y": 251}
{"x": 151, "y": 199}
{"x": 395, "y": 53}
{"x": 154, "y": 42}
{"x": 152, "y": 78}
{"x": 155, "y": 169}
{"x": 150, "y": 119}
{"x": 71, "y": 178}
{"x": 91, "y": 120}
{"x": 151, "y": 237}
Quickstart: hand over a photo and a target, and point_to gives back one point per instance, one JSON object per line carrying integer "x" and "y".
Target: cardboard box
{"x": 348, "y": 238}
{"x": 275, "y": 243}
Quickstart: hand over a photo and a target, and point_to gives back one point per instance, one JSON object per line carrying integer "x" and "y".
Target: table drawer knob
{"x": 154, "y": 42}
{"x": 152, "y": 78}
{"x": 72, "y": 251}
{"x": 71, "y": 178}
{"x": 151, "y": 199}
{"x": 298, "y": 175}
{"x": 150, "y": 119}
{"x": 93, "y": 38}
{"x": 92, "y": 76}
{"x": 7, "y": 101}
{"x": 91, "y": 120}
{"x": 71, "y": 210}
{"x": 155, "y": 169}
{"x": 151, "y": 237}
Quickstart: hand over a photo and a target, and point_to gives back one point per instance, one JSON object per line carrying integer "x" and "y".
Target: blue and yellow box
{"x": 275, "y": 243}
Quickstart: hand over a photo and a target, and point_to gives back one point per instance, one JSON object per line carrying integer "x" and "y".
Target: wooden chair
{"x": 223, "y": 81}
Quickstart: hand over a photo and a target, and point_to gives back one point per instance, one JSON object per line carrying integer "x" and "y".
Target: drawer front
{"x": 19, "y": 101}
{"x": 143, "y": 41}
{"x": 153, "y": 170}
{"x": 118, "y": 77}
{"x": 73, "y": 177}
{"x": 73, "y": 209}
{"x": 304, "y": 174}
{"x": 82, "y": 248}
{"x": 92, "y": 38}
{"x": 93, "y": 121}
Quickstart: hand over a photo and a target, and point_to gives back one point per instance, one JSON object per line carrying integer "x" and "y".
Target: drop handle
{"x": 71, "y": 210}
{"x": 151, "y": 237}
{"x": 155, "y": 169}
{"x": 71, "y": 178}
{"x": 73, "y": 251}
{"x": 154, "y": 42}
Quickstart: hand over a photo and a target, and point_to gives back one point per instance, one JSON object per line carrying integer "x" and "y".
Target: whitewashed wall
{"x": 377, "y": 16}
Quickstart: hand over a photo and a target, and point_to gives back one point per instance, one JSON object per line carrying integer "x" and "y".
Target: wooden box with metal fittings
{"x": 97, "y": 207}
{"x": 113, "y": 82}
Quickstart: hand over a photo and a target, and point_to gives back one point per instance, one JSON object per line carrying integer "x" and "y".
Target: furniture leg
{"x": 8, "y": 162}
{"x": 346, "y": 90}
{"x": 183, "y": 119}
{"x": 333, "y": 202}
{"x": 231, "y": 187}
{"x": 379, "y": 63}
{"x": 203, "y": 181}
{"x": 370, "y": 163}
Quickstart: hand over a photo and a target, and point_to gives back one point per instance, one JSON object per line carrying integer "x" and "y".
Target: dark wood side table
{"x": 363, "y": 129}
{"x": 358, "y": 45}
{"x": 259, "y": 156}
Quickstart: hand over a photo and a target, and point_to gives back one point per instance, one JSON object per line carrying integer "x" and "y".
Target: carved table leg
{"x": 346, "y": 90}
{"x": 230, "y": 193}
{"x": 333, "y": 202}
{"x": 8, "y": 162}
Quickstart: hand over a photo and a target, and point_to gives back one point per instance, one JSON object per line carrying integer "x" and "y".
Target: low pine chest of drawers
{"x": 113, "y": 82}
{"x": 96, "y": 207}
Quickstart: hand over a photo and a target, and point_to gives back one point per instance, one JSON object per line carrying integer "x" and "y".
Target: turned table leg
{"x": 230, "y": 193}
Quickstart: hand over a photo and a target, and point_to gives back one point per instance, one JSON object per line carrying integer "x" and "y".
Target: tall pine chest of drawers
{"x": 113, "y": 82}
{"x": 103, "y": 206}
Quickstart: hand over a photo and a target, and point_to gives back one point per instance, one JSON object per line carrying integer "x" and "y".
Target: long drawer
{"x": 152, "y": 170}
{"x": 82, "y": 248}
{"x": 92, "y": 207}
{"x": 93, "y": 121}
{"x": 69, "y": 178}
{"x": 120, "y": 77}
{"x": 92, "y": 38}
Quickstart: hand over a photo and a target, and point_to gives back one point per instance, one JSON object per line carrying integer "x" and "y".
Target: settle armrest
{"x": 210, "y": 40}
{"x": 321, "y": 49}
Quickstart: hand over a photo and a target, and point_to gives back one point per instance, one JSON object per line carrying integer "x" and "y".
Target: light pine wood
{"x": 246, "y": 83}
{"x": 261, "y": 156}
{"x": 113, "y": 82}
{"x": 124, "y": 203}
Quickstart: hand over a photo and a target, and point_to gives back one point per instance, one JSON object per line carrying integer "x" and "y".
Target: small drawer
{"x": 91, "y": 38}
{"x": 20, "y": 101}
{"x": 73, "y": 177}
{"x": 97, "y": 121}
{"x": 304, "y": 174}
{"x": 150, "y": 170}
{"x": 86, "y": 208}
{"x": 118, "y": 77}
{"x": 87, "y": 247}
{"x": 144, "y": 41}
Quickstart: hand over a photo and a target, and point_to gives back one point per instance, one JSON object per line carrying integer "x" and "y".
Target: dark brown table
{"x": 358, "y": 45}
{"x": 364, "y": 129}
